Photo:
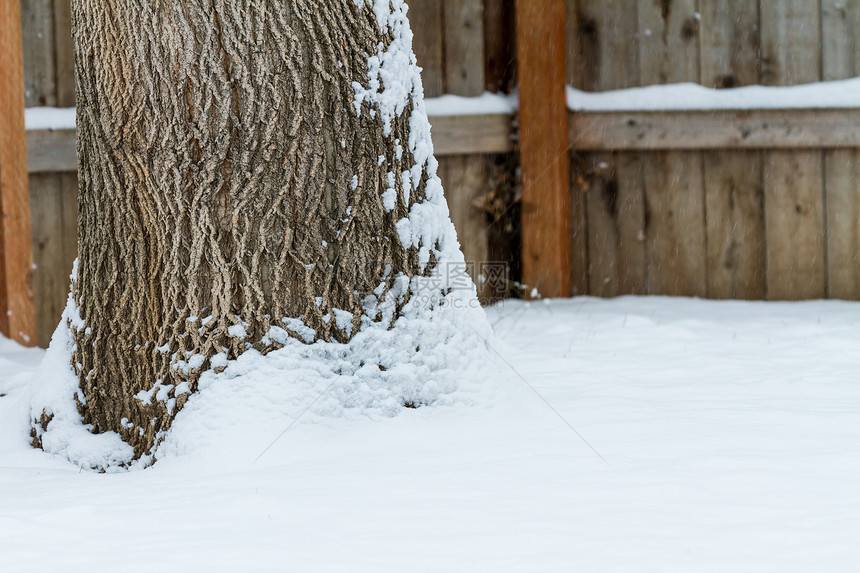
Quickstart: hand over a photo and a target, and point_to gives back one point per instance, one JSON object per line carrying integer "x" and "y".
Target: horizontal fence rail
{"x": 709, "y": 129}
{"x": 53, "y": 151}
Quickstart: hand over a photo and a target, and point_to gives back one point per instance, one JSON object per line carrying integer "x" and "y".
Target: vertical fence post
{"x": 544, "y": 158}
{"x": 17, "y": 306}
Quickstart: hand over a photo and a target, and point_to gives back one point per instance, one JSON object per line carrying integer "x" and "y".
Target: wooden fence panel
{"x": 842, "y": 174}
{"x": 735, "y": 224}
{"x": 764, "y": 211}
{"x": 675, "y": 231}
{"x": 602, "y": 47}
{"x": 64, "y": 62}
{"x": 466, "y": 177}
{"x": 463, "y": 34}
{"x": 674, "y": 191}
{"x": 794, "y": 195}
{"x": 734, "y": 201}
{"x": 840, "y": 58}
{"x": 668, "y": 42}
{"x": 54, "y": 213}
{"x": 37, "y": 29}
{"x": 729, "y": 36}
{"x": 616, "y": 226}
{"x": 426, "y": 19}
{"x": 601, "y": 56}
{"x": 499, "y": 45}
{"x": 794, "y": 225}
{"x": 49, "y": 81}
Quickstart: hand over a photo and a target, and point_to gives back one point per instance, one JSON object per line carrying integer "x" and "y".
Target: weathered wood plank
{"x": 840, "y": 58}
{"x": 703, "y": 129}
{"x": 578, "y": 240}
{"x": 842, "y": 192}
{"x": 37, "y": 29}
{"x": 603, "y": 57}
{"x": 69, "y": 232}
{"x": 544, "y": 152}
{"x": 50, "y": 279}
{"x": 601, "y": 43}
{"x": 793, "y": 180}
{"x": 49, "y": 80}
{"x": 455, "y": 135}
{"x": 735, "y": 225}
{"x": 675, "y": 234}
{"x": 674, "y": 191}
{"x": 463, "y": 27}
{"x": 668, "y": 42}
{"x": 733, "y": 180}
{"x": 840, "y": 39}
{"x": 734, "y": 200}
{"x": 604, "y": 241}
{"x": 790, "y": 42}
{"x": 794, "y": 223}
{"x": 64, "y": 53}
{"x": 425, "y": 19}
{"x": 500, "y": 59}
{"x": 466, "y": 179}
{"x": 17, "y": 306}
{"x": 51, "y": 151}
{"x": 616, "y": 226}
{"x": 499, "y": 76}
{"x": 631, "y": 223}
{"x": 729, "y": 43}
{"x": 579, "y": 44}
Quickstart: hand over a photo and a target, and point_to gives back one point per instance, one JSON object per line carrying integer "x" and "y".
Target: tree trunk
{"x": 233, "y": 178}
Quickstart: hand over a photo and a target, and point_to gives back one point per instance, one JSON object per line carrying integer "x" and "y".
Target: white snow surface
{"x": 689, "y": 96}
{"x": 729, "y": 430}
{"x": 484, "y": 104}
{"x": 49, "y": 118}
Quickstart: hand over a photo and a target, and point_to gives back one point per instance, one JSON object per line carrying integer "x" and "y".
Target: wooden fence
{"x": 755, "y": 204}
{"x": 49, "y": 81}
{"x": 758, "y": 204}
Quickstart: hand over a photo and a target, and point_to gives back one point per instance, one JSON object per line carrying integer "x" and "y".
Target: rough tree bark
{"x": 227, "y": 182}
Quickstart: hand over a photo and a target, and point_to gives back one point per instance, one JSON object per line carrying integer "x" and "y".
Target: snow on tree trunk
{"x": 249, "y": 172}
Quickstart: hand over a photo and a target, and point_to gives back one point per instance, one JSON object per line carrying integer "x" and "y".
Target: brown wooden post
{"x": 545, "y": 163}
{"x": 17, "y": 306}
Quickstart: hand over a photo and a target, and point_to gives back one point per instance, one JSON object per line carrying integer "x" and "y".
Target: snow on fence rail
{"x": 689, "y": 116}
{"x": 53, "y": 151}
{"x": 678, "y": 116}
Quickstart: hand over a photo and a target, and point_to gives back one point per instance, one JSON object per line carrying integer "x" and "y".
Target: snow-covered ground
{"x": 730, "y": 433}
